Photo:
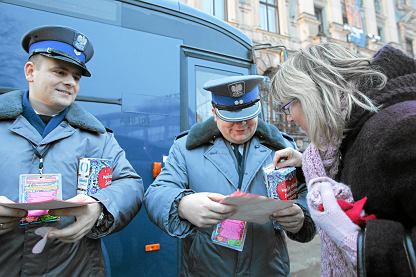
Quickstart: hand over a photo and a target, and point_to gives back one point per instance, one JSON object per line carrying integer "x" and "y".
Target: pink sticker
{"x": 231, "y": 229}
{"x": 230, "y": 233}
{"x": 39, "y": 197}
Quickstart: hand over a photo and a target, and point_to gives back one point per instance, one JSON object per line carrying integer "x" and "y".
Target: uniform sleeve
{"x": 123, "y": 198}
{"x": 308, "y": 230}
{"x": 164, "y": 194}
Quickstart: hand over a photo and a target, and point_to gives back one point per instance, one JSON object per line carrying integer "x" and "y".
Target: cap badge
{"x": 237, "y": 89}
{"x": 80, "y": 42}
{"x": 76, "y": 52}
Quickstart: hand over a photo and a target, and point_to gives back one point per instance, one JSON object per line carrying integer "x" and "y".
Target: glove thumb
{"x": 328, "y": 197}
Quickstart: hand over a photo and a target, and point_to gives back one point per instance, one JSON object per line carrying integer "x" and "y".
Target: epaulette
{"x": 182, "y": 134}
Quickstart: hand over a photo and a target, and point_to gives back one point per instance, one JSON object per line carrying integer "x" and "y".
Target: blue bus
{"x": 151, "y": 59}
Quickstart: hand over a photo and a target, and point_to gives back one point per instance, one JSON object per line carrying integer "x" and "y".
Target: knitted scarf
{"x": 334, "y": 260}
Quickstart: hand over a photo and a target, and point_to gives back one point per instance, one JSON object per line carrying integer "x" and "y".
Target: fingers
{"x": 85, "y": 218}
{"x": 287, "y": 157}
{"x": 76, "y": 211}
{"x": 10, "y": 212}
{"x": 13, "y": 213}
{"x": 202, "y": 209}
{"x": 9, "y": 217}
{"x": 289, "y": 211}
{"x": 71, "y": 233}
{"x": 81, "y": 198}
{"x": 216, "y": 197}
{"x": 291, "y": 219}
{"x": 8, "y": 224}
{"x": 4, "y": 199}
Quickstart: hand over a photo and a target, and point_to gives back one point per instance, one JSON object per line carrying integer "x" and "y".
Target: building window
{"x": 380, "y": 33}
{"x": 409, "y": 47}
{"x": 320, "y": 18}
{"x": 216, "y": 8}
{"x": 377, "y": 6}
{"x": 268, "y": 16}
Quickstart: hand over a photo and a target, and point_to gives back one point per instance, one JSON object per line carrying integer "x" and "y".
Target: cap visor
{"x": 240, "y": 115}
{"x": 84, "y": 70}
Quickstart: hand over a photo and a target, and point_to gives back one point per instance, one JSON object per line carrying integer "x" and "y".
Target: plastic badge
{"x": 230, "y": 233}
{"x": 36, "y": 188}
{"x": 281, "y": 183}
{"x": 93, "y": 175}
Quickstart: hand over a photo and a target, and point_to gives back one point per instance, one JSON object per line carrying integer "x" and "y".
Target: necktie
{"x": 237, "y": 155}
{"x": 239, "y": 159}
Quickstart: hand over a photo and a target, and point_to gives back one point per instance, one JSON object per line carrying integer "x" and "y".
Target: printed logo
{"x": 80, "y": 42}
{"x": 237, "y": 89}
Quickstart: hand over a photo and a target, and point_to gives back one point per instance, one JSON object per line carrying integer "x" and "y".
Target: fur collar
{"x": 11, "y": 107}
{"x": 207, "y": 131}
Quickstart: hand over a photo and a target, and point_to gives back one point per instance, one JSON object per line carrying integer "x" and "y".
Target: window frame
{"x": 268, "y": 6}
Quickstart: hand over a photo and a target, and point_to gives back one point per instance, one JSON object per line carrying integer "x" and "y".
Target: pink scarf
{"x": 334, "y": 261}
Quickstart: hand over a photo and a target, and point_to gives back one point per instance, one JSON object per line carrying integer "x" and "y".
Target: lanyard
{"x": 40, "y": 155}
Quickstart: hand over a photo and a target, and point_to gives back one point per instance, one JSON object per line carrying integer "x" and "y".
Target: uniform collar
{"x": 11, "y": 107}
{"x": 207, "y": 131}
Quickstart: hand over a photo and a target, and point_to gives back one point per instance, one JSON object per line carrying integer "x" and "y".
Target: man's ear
{"x": 214, "y": 113}
{"x": 29, "y": 69}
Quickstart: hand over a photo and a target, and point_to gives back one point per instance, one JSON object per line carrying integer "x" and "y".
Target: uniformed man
{"x": 217, "y": 157}
{"x": 43, "y": 136}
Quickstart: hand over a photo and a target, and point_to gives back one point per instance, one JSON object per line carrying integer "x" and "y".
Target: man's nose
{"x": 70, "y": 81}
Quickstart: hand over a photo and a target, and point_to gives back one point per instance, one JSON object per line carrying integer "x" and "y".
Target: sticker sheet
{"x": 93, "y": 175}
{"x": 37, "y": 188}
{"x": 230, "y": 233}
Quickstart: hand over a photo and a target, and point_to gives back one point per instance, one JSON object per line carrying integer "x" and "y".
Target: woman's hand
{"x": 287, "y": 157}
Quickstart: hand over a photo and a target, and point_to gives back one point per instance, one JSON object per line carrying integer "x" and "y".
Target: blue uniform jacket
{"x": 79, "y": 135}
{"x": 201, "y": 161}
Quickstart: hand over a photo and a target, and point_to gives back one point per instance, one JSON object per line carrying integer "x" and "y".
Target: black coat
{"x": 379, "y": 161}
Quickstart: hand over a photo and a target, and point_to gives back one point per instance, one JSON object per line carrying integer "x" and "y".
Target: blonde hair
{"x": 327, "y": 80}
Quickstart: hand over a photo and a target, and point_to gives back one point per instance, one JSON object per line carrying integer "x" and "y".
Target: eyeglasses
{"x": 286, "y": 107}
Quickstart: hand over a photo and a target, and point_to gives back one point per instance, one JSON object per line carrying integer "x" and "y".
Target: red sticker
{"x": 105, "y": 177}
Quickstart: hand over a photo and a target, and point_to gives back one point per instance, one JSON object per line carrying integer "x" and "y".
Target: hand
{"x": 291, "y": 218}
{"x": 333, "y": 220}
{"x": 203, "y": 210}
{"x": 287, "y": 157}
{"x": 85, "y": 218}
{"x": 9, "y": 217}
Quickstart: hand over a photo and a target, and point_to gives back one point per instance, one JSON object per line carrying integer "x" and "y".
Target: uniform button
{"x": 256, "y": 146}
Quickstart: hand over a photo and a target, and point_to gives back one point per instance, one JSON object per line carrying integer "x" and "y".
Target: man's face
{"x": 53, "y": 84}
{"x": 236, "y": 132}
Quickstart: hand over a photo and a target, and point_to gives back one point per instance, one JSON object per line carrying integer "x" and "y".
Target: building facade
{"x": 274, "y": 25}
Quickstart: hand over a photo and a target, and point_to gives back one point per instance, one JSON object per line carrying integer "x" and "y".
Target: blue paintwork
{"x": 146, "y": 55}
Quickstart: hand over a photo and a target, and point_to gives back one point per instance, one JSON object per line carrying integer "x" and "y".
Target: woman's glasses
{"x": 286, "y": 107}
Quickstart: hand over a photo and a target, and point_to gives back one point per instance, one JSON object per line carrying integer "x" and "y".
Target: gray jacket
{"x": 79, "y": 135}
{"x": 201, "y": 161}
